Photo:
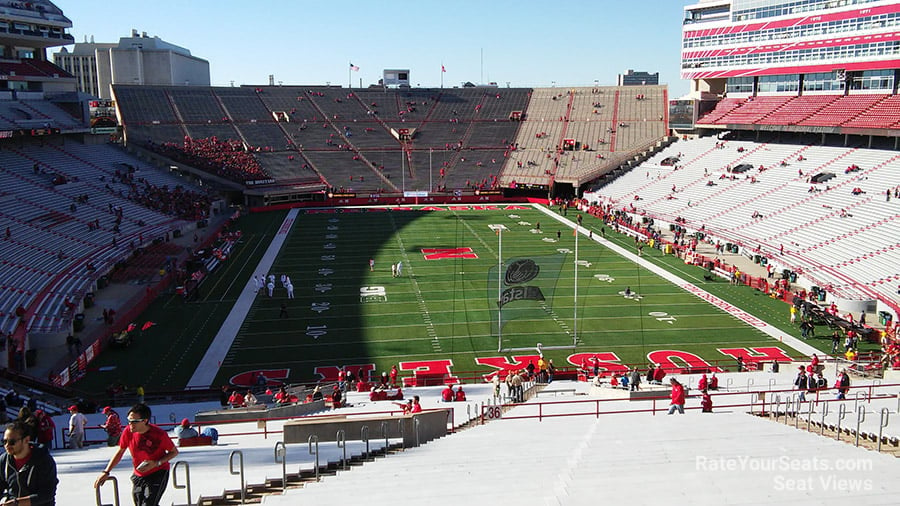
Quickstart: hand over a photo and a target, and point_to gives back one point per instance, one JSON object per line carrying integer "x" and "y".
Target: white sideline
{"x": 215, "y": 354}
{"x": 770, "y": 330}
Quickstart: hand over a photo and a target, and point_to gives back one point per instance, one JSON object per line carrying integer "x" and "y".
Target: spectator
{"x": 28, "y": 473}
{"x": 113, "y": 426}
{"x": 447, "y": 394}
{"x": 185, "y": 431}
{"x": 678, "y": 396}
{"x": 77, "y": 423}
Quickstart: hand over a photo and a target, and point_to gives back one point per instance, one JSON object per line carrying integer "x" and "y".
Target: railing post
{"x": 416, "y": 422}
{"x": 115, "y": 483}
{"x": 809, "y": 417}
{"x": 364, "y": 436}
{"x": 239, "y": 472}
{"x": 313, "y": 447}
{"x": 187, "y": 478}
{"x": 824, "y": 413}
{"x": 885, "y": 417}
{"x": 341, "y": 439}
{"x": 749, "y": 383}
{"x": 777, "y": 406}
{"x": 384, "y": 432}
{"x": 842, "y": 412}
{"x": 860, "y": 418}
{"x": 771, "y": 383}
{"x": 856, "y": 400}
{"x": 281, "y": 457}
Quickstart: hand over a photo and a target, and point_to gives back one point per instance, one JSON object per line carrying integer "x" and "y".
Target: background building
{"x": 82, "y": 63}
{"x": 632, "y": 78}
{"x": 138, "y": 59}
{"x": 27, "y": 29}
{"x": 775, "y": 46}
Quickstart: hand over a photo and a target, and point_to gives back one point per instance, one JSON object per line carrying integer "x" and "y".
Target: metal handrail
{"x": 341, "y": 439}
{"x": 187, "y": 478}
{"x": 384, "y": 432}
{"x": 364, "y": 436}
{"x": 281, "y": 458}
{"x": 115, "y": 483}
{"x": 239, "y": 472}
{"x": 860, "y": 418}
{"x": 842, "y": 412}
{"x": 313, "y": 447}
{"x": 885, "y": 419}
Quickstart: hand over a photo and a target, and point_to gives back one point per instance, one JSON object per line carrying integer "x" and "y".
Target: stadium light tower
{"x": 498, "y": 229}
{"x": 430, "y": 182}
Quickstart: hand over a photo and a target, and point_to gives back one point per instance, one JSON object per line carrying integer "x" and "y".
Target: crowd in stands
{"x": 229, "y": 158}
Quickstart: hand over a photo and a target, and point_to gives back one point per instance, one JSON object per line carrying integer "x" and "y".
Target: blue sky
{"x": 526, "y": 43}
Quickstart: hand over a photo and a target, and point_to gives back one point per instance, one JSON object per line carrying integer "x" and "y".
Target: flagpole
{"x": 350, "y": 76}
{"x": 442, "y": 75}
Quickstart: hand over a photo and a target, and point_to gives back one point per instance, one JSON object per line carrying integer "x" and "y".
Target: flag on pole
{"x": 443, "y": 68}
{"x": 354, "y": 68}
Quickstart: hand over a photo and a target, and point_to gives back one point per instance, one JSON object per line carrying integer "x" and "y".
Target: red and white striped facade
{"x": 750, "y": 38}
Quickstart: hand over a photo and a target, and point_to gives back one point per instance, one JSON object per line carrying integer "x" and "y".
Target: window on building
{"x": 823, "y": 81}
{"x": 873, "y": 80}
{"x": 782, "y": 83}
{"x": 739, "y": 85}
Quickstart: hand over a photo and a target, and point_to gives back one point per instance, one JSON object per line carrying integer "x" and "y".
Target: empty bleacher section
{"x": 606, "y": 125}
{"x": 459, "y": 138}
{"x": 28, "y": 114}
{"x": 838, "y": 233}
{"x": 870, "y": 111}
{"x": 72, "y": 212}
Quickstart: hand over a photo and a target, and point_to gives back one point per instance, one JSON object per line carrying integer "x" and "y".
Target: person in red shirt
{"x": 713, "y": 382}
{"x": 703, "y": 383}
{"x": 416, "y": 407}
{"x": 236, "y": 400}
{"x": 113, "y": 426}
{"x": 46, "y": 428}
{"x": 394, "y": 373}
{"x": 658, "y": 375}
{"x": 151, "y": 450}
{"x": 460, "y": 395}
{"x": 706, "y": 402}
{"x": 678, "y": 396}
{"x": 447, "y": 394}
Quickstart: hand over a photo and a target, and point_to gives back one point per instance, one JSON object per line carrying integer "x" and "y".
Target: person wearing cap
{"x": 678, "y": 396}
{"x": 46, "y": 428}
{"x": 77, "y": 423}
{"x": 112, "y": 426}
{"x": 801, "y": 382}
{"x": 27, "y": 471}
{"x": 151, "y": 450}
{"x": 185, "y": 431}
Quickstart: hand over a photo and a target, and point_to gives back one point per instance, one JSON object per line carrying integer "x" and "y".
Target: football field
{"x": 440, "y": 313}
{"x": 442, "y": 305}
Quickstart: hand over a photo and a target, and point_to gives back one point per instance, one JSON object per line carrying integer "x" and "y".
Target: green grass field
{"x": 437, "y": 309}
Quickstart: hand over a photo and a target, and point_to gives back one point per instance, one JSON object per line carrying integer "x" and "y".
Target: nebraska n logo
{"x": 442, "y": 253}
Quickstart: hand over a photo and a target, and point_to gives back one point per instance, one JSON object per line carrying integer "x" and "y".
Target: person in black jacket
{"x": 33, "y": 484}
{"x": 801, "y": 382}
